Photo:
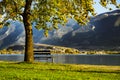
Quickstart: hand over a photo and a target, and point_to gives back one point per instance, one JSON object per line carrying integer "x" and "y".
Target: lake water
{"x": 12, "y": 57}
{"x": 113, "y": 59}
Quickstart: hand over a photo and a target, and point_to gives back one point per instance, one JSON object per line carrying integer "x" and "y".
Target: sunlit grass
{"x": 50, "y": 71}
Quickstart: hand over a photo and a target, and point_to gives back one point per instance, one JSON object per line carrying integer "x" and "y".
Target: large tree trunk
{"x": 29, "y": 57}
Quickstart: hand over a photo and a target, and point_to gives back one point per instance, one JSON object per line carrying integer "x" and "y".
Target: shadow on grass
{"x": 117, "y": 72}
{"x": 87, "y": 71}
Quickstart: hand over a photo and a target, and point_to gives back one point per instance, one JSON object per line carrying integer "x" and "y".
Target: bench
{"x": 43, "y": 56}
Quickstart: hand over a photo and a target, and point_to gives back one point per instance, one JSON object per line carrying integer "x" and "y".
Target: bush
{"x": 69, "y": 51}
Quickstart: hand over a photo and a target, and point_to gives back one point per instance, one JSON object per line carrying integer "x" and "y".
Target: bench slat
{"x": 43, "y": 55}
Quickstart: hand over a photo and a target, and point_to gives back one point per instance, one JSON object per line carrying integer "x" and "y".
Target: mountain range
{"x": 101, "y": 32}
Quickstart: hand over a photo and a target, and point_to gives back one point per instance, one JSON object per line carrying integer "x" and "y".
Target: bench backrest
{"x": 42, "y": 52}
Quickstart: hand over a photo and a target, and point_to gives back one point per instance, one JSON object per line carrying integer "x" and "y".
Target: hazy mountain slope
{"x": 9, "y": 35}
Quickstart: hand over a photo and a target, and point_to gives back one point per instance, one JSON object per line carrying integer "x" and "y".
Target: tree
{"x": 42, "y": 12}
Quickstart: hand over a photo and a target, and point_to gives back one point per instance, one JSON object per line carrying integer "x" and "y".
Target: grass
{"x": 50, "y": 71}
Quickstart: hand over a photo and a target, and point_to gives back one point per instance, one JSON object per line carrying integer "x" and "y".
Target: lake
{"x": 112, "y": 59}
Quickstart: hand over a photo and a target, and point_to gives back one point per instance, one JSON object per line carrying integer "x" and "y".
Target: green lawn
{"x": 50, "y": 71}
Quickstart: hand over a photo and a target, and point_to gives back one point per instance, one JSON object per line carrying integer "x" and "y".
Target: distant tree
{"x": 41, "y": 12}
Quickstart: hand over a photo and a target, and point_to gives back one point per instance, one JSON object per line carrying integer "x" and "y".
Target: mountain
{"x": 12, "y": 34}
{"x": 102, "y": 31}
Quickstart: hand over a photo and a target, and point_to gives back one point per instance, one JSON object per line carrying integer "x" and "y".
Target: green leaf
{"x": 46, "y": 33}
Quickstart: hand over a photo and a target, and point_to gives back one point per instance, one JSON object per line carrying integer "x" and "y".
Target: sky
{"x": 99, "y": 9}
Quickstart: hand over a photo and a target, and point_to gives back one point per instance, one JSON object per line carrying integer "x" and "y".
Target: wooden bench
{"x": 43, "y": 55}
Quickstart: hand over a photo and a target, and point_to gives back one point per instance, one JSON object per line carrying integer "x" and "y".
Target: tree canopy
{"x": 53, "y": 11}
